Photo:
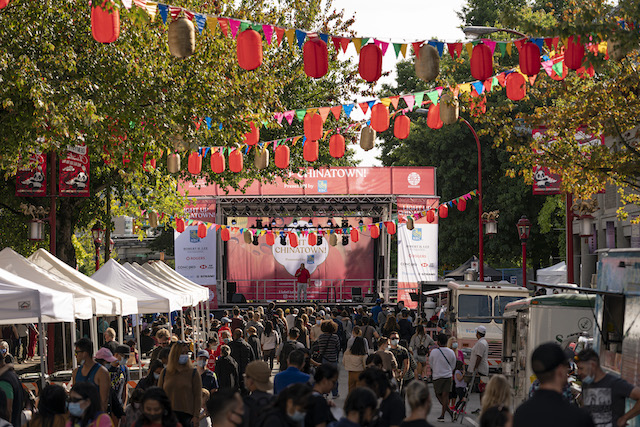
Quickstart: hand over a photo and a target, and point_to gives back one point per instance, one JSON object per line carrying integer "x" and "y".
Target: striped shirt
{"x": 329, "y": 347}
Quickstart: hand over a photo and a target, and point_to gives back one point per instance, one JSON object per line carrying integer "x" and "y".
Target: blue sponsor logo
{"x": 322, "y": 186}
{"x": 311, "y": 259}
{"x": 193, "y": 236}
{"x": 416, "y": 234}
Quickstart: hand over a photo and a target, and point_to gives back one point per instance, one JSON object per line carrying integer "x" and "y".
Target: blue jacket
{"x": 289, "y": 376}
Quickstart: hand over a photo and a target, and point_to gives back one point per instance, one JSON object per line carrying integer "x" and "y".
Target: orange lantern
{"x": 235, "y": 161}
{"x": 391, "y": 227}
{"x": 375, "y": 231}
{"x": 516, "y": 86}
{"x": 433, "y": 117}
{"x": 530, "y": 59}
{"x": 310, "y": 151}
{"x": 402, "y": 126}
{"x": 316, "y": 58}
{"x": 431, "y": 216}
{"x": 105, "y": 21}
{"x": 249, "y": 49}
{"x": 481, "y": 62}
{"x": 282, "y": 156}
{"x": 217, "y": 162}
{"x": 224, "y": 234}
{"x": 313, "y": 126}
{"x": 355, "y": 235}
{"x": 379, "y": 117}
{"x": 202, "y": 231}
{"x": 252, "y": 137}
{"x": 271, "y": 239}
{"x": 443, "y": 211}
{"x": 195, "y": 163}
{"x": 370, "y": 65}
{"x": 574, "y": 53}
{"x": 312, "y": 239}
{"x": 179, "y": 225}
{"x": 293, "y": 239}
{"x": 336, "y": 146}
{"x": 462, "y": 205}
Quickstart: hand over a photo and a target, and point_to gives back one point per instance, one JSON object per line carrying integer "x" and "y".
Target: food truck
{"x": 561, "y": 318}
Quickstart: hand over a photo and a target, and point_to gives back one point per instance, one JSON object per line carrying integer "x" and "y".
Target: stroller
{"x": 460, "y": 410}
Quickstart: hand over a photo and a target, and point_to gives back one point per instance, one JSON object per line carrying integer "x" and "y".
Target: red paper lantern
{"x": 462, "y": 205}
{"x": 433, "y": 117}
{"x": 282, "y": 156}
{"x": 370, "y": 65}
{"x": 271, "y": 239}
{"x": 105, "y": 21}
{"x": 379, "y": 118}
{"x": 375, "y": 231}
{"x": 391, "y": 227}
{"x": 574, "y": 53}
{"x": 252, "y": 137}
{"x": 293, "y": 239}
{"x": 179, "y": 225}
{"x": 312, "y": 239}
{"x": 3, "y": 3}
{"x": 202, "y": 231}
{"x": 313, "y": 126}
{"x": 316, "y": 58}
{"x": 355, "y": 235}
{"x": 516, "y": 86}
{"x": 443, "y": 211}
{"x": 195, "y": 163}
{"x": 249, "y": 49}
{"x": 217, "y": 162}
{"x": 235, "y": 161}
{"x": 310, "y": 151}
{"x": 402, "y": 126}
{"x": 481, "y": 62}
{"x": 530, "y": 59}
{"x": 337, "y": 146}
{"x": 225, "y": 235}
{"x": 431, "y": 216}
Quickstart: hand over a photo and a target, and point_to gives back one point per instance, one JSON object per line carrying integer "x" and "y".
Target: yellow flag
{"x": 296, "y": 140}
{"x": 357, "y": 43}
{"x": 385, "y": 101}
{"x": 291, "y": 36}
{"x": 565, "y": 41}
{"x": 403, "y": 49}
{"x": 465, "y": 87}
{"x": 152, "y": 9}
{"x": 212, "y": 23}
{"x": 469, "y": 47}
{"x": 509, "y": 48}
{"x": 311, "y": 111}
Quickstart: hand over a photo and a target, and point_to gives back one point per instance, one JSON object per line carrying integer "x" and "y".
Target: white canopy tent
{"x": 553, "y": 275}
{"x": 186, "y": 299}
{"x": 170, "y": 272}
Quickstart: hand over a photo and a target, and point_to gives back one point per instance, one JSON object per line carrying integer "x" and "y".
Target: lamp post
{"x": 97, "y": 232}
{"x": 480, "y": 231}
{"x": 524, "y": 228}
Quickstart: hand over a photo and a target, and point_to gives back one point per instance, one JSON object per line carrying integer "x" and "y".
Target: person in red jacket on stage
{"x": 303, "y": 282}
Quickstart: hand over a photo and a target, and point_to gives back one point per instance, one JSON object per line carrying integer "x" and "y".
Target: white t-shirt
{"x": 481, "y": 348}
{"x": 442, "y": 361}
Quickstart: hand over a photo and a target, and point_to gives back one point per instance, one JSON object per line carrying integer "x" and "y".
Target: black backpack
{"x": 254, "y": 407}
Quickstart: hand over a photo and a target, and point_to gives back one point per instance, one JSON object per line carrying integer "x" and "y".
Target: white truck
{"x": 559, "y": 318}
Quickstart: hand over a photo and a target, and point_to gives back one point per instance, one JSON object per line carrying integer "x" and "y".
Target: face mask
{"x": 588, "y": 379}
{"x": 226, "y": 340}
{"x": 318, "y": 322}
{"x": 183, "y": 359}
{"x": 201, "y": 363}
{"x": 153, "y": 417}
{"x": 3, "y": 351}
{"x": 75, "y": 409}
{"x": 156, "y": 375}
{"x": 82, "y": 363}
{"x": 454, "y": 345}
{"x": 394, "y": 342}
{"x": 298, "y": 416}
{"x": 122, "y": 362}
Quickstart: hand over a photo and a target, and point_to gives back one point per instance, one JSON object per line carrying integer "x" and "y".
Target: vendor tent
{"x": 23, "y": 301}
{"x": 122, "y": 304}
{"x": 553, "y": 275}
{"x": 186, "y": 297}
{"x": 85, "y": 303}
{"x": 458, "y": 273}
{"x": 164, "y": 269}
{"x": 151, "y": 299}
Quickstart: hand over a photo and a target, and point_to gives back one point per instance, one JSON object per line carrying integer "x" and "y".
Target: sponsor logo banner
{"x": 196, "y": 258}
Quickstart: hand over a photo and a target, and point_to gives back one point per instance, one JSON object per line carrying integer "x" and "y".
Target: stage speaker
{"x": 238, "y": 299}
{"x": 356, "y": 295}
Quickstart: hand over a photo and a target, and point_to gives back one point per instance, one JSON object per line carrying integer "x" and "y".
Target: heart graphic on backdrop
{"x": 291, "y": 258}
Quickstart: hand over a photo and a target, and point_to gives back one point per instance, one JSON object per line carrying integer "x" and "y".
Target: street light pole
{"x": 96, "y": 233}
{"x": 524, "y": 228}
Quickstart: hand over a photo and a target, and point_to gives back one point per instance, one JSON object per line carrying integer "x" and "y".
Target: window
{"x": 474, "y": 308}
{"x": 500, "y": 303}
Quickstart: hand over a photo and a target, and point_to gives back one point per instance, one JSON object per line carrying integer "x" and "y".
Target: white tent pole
{"x": 43, "y": 350}
{"x": 120, "y": 329}
{"x": 194, "y": 324}
{"x": 93, "y": 332}
{"x": 74, "y": 361}
{"x": 64, "y": 344}
{"x": 139, "y": 347}
{"x": 208, "y": 320}
{"x": 170, "y": 327}
{"x": 181, "y": 325}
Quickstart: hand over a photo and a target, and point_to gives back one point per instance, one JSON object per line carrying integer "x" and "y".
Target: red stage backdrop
{"x": 333, "y": 268}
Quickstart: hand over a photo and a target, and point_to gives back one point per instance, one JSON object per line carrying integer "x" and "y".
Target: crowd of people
{"x": 392, "y": 357}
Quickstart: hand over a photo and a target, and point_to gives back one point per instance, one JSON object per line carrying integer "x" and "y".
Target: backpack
{"x": 287, "y": 348}
{"x": 255, "y": 407}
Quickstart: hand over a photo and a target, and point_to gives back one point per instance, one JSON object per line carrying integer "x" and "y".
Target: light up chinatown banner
{"x": 333, "y": 268}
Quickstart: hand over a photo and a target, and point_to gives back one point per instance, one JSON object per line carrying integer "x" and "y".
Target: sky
{"x": 400, "y": 21}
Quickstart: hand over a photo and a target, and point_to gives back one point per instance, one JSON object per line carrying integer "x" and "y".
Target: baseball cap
{"x": 105, "y": 354}
{"x": 203, "y": 353}
{"x": 481, "y": 330}
{"x": 546, "y": 357}
{"x": 123, "y": 349}
{"x": 225, "y": 320}
{"x": 259, "y": 371}
{"x": 321, "y": 312}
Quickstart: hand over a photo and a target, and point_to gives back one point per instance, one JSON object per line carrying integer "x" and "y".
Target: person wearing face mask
{"x": 151, "y": 380}
{"x": 156, "y": 410}
{"x": 404, "y": 371}
{"x": 603, "y": 395}
{"x": 133, "y": 409}
{"x": 225, "y": 339}
{"x": 419, "y": 403}
{"x": 319, "y": 409}
{"x": 360, "y": 408}
{"x": 452, "y": 343}
{"x": 181, "y": 382}
{"x": 84, "y": 406}
{"x": 90, "y": 371}
{"x": 226, "y": 409}
{"x": 209, "y": 380}
{"x": 289, "y": 409}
